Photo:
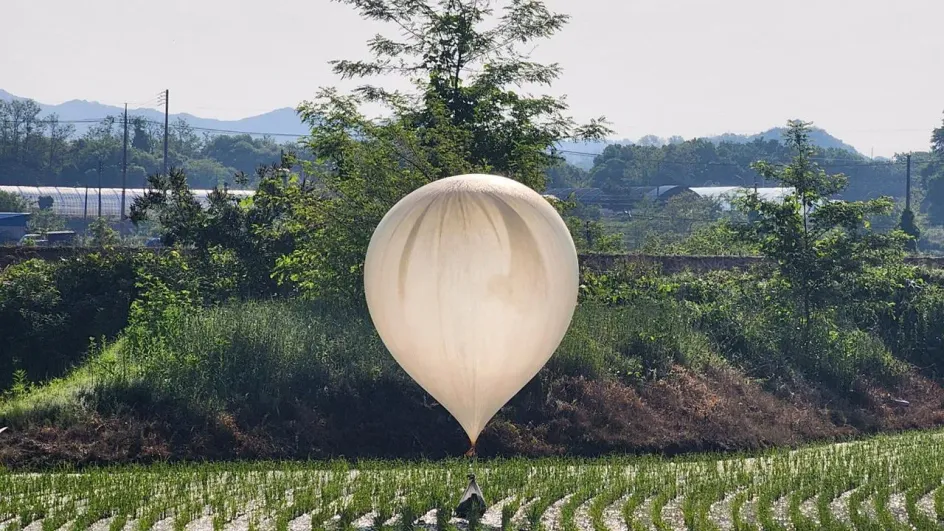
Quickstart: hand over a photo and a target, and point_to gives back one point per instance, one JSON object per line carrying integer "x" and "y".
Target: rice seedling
{"x": 882, "y": 483}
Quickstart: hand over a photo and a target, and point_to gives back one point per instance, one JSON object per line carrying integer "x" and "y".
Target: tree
{"x": 43, "y": 220}
{"x": 245, "y": 237}
{"x": 909, "y": 226}
{"x": 184, "y": 140}
{"x": 464, "y": 61}
{"x": 465, "y": 115}
{"x": 141, "y": 139}
{"x": 937, "y": 140}
{"x": 821, "y": 246}
{"x": 10, "y": 202}
{"x": 101, "y": 234}
{"x": 933, "y": 174}
{"x": 565, "y": 175}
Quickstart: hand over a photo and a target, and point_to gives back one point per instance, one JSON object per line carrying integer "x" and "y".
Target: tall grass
{"x": 260, "y": 356}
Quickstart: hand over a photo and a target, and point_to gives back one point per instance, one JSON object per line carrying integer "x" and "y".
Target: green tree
{"x": 141, "y": 138}
{"x": 933, "y": 174}
{"x": 10, "y": 202}
{"x": 243, "y": 237}
{"x": 465, "y": 115}
{"x": 466, "y": 62}
{"x": 909, "y": 226}
{"x": 44, "y": 219}
{"x": 100, "y": 233}
{"x": 822, "y": 247}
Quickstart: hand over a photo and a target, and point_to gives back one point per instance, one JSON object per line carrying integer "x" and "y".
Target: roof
{"x": 71, "y": 202}
{"x": 725, "y": 194}
{"x": 596, "y": 196}
{"x": 13, "y": 219}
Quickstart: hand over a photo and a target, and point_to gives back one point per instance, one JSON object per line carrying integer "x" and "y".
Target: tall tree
{"x": 141, "y": 139}
{"x": 821, "y": 246}
{"x": 466, "y": 114}
{"x": 466, "y": 63}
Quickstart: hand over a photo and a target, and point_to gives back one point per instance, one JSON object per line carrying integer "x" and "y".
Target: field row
{"x": 883, "y": 483}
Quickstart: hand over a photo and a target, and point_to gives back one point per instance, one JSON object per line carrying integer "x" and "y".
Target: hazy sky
{"x": 869, "y": 71}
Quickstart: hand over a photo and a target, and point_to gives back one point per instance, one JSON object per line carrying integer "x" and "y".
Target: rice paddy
{"x": 889, "y": 482}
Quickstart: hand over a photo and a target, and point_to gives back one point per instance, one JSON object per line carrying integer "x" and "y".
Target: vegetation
{"x": 12, "y": 203}
{"x": 884, "y": 483}
{"x": 47, "y": 152}
{"x": 250, "y": 328}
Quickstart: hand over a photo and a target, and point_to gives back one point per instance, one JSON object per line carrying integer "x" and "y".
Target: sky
{"x": 870, "y": 72}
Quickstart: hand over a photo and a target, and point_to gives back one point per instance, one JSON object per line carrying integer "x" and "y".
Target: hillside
{"x": 286, "y": 121}
{"x": 283, "y": 121}
{"x": 581, "y": 154}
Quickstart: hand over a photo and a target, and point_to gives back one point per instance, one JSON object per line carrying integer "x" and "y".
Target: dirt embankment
{"x": 685, "y": 412}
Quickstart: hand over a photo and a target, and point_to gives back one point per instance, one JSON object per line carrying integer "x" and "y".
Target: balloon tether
{"x": 472, "y": 503}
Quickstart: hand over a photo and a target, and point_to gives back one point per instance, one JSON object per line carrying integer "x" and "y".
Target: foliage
{"x": 43, "y": 220}
{"x": 909, "y": 226}
{"x": 592, "y": 237}
{"x": 933, "y": 175}
{"x": 12, "y": 202}
{"x": 51, "y": 309}
{"x": 564, "y": 175}
{"x": 821, "y": 246}
{"x": 101, "y": 234}
{"x": 336, "y": 492}
{"x": 463, "y": 117}
{"x": 703, "y": 162}
{"x": 244, "y": 238}
{"x": 48, "y": 152}
{"x": 463, "y": 59}
{"x": 720, "y": 238}
{"x": 682, "y": 221}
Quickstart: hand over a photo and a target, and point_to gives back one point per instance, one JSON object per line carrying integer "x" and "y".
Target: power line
{"x": 154, "y": 122}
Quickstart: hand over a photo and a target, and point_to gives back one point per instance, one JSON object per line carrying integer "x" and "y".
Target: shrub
{"x": 51, "y": 310}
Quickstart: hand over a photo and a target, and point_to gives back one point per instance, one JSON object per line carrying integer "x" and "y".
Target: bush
{"x": 750, "y": 320}
{"x": 629, "y": 342}
{"x": 51, "y": 310}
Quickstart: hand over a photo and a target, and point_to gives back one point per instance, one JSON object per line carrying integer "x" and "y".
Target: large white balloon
{"x": 471, "y": 282}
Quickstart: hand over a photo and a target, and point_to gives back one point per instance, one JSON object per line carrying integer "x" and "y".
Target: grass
{"x": 395, "y": 494}
{"x": 62, "y": 398}
{"x": 262, "y": 355}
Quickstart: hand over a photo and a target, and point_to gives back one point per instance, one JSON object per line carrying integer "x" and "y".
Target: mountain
{"x": 581, "y": 154}
{"x": 818, "y": 137}
{"x": 280, "y": 121}
{"x": 286, "y": 122}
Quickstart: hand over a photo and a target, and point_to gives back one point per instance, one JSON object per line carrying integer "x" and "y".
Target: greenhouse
{"x": 84, "y": 202}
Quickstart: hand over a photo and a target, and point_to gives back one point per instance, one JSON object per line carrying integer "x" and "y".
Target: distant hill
{"x": 818, "y": 137}
{"x": 286, "y": 121}
{"x": 581, "y": 154}
{"x": 282, "y": 121}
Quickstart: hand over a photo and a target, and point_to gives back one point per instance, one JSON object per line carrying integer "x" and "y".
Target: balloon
{"x": 471, "y": 282}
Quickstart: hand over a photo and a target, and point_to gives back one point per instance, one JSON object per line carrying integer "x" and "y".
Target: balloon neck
{"x": 471, "y": 452}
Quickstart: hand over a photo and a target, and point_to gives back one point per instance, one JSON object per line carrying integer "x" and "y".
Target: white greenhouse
{"x": 83, "y": 202}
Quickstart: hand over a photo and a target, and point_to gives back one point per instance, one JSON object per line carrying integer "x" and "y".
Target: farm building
{"x": 618, "y": 202}
{"x": 625, "y": 201}
{"x": 725, "y": 194}
{"x": 12, "y": 226}
{"x": 83, "y": 202}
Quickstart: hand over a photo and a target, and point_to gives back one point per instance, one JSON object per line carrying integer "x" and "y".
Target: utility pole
{"x": 99, "y": 187}
{"x": 166, "y": 124}
{"x": 908, "y": 183}
{"x": 124, "y": 173}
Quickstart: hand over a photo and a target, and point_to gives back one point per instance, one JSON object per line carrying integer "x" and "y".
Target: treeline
{"x": 702, "y": 162}
{"x": 44, "y": 151}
